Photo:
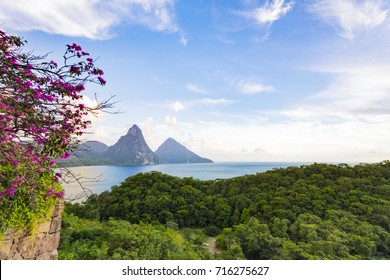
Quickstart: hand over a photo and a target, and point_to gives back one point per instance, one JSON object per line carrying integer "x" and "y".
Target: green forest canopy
{"x": 319, "y": 211}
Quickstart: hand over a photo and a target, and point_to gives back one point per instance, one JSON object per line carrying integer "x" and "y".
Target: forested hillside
{"x": 320, "y": 211}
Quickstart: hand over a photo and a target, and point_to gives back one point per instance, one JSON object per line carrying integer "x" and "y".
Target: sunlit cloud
{"x": 177, "y": 106}
{"x": 270, "y": 12}
{"x": 168, "y": 120}
{"x": 180, "y": 106}
{"x": 85, "y": 18}
{"x": 357, "y": 92}
{"x": 351, "y": 16}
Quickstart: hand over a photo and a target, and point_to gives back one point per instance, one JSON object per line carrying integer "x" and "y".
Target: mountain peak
{"x": 171, "y": 141}
{"x": 134, "y": 130}
{"x": 172, "y": 151}
{"x": 131, "y": 149}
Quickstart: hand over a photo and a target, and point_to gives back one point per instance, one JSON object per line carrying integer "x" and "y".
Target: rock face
{"x": 131, "y": 149}
{"x": 173, "y": 152}
{"x": 17, "y": 244}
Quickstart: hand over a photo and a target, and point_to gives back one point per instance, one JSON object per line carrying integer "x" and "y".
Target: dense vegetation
{"x": 320, "y": 211}
{"x": 42, "y": 114}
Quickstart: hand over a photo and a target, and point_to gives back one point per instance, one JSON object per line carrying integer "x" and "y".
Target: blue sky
{"x": 243, "y": 80}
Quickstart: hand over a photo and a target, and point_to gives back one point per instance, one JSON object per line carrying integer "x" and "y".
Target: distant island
{"x": 132, "y": 149}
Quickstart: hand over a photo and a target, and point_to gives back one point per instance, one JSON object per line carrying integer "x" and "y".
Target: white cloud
{"x": 351, "y": 16}
{"x": 93, "y": 19}
{"x": 347, "y": 121}
{"x": 195, "y": 88}
{"x": 177, "y": 106}
{"x": 180, "y": 106}
{"x": 183, "y": 40}
{"x": 209, "y": 101}
{"x": 168, "y": 120}
{"x": 253, "y": 87}
{"x": 284, "y": 141}
{"x": 270, "y": 12}
{"x": 358, "y": 92}
{"x": 225, "y": 40}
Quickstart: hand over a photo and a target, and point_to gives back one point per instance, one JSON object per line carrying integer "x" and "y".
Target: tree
{"x": 256, "y": 240}
{"x": 42, "y": 114}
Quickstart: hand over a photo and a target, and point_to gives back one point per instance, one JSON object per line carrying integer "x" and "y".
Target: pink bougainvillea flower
{"x": 101, "y": 80}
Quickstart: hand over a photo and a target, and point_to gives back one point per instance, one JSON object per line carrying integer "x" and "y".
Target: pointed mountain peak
{"x": 131, "y": 149}
{"x": 172, "y": 151}
{"x": 134, "y": 130}
{"x": 171, "y": 140}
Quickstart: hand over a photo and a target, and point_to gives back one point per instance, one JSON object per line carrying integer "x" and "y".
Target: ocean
{"x": 97, "y": 179}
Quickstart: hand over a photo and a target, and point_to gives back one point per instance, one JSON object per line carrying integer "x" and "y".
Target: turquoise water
{"x": 97, "y": 179}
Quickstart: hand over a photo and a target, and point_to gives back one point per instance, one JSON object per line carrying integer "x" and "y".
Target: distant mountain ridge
{"x": 173, "y": 152}
{"x": 132, "y": 149}
{"x": 94, "y": 146}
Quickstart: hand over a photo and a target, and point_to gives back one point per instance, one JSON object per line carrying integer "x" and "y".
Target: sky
{"x": 232, "y": 80}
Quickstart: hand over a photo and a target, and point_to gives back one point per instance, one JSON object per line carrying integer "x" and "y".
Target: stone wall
{"x": 18, "y": 245}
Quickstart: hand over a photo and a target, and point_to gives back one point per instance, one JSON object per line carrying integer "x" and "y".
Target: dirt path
{"x": 211, "y": 246}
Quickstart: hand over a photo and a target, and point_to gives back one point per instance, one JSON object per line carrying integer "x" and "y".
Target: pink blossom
{"x": 101, "y": 80}
{"x": 65, "y": 155}
{"x": 54, "y": 63}
{"x": 80, "y": 87}
{"x": 11, "y": 191}
{"x": 59, "y": 194}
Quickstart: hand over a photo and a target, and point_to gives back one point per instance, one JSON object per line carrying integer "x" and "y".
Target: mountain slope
{"x": 88, "y": 153}
{"x": 173, "y": 152}
{"x": 93, "y": 146}
{"x": 131, "y": 149}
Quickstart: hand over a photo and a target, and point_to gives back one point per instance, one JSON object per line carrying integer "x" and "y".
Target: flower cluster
{"x": 41, "y": 116}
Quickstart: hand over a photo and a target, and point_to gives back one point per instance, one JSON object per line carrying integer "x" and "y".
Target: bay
{"x": 97, "y": 179}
